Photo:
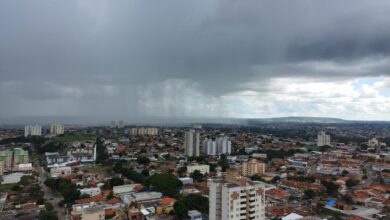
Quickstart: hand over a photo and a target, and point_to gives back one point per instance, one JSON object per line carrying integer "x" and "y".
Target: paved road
{"x": 371, "y": 175}
{"x": 48, "y": 193}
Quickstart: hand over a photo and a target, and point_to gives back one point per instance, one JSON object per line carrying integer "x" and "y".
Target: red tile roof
{"x": 97, "y": 198}
{"x": 167, "y": 201}
{"x": 109, "y": 212}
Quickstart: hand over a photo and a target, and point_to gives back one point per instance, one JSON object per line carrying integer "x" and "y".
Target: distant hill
{"x": 297, "y": 120}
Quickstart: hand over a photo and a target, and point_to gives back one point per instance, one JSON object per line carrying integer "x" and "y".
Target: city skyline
{"x": 174, "y": 59}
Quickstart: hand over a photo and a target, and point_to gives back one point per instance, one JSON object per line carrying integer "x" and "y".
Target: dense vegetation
{"x": 68, "y": 190}
{"x": 101, "y": 152}
{"x": 48, "y": 213}
{"x": 165, "y": 183}
{"x": 191, "y": 202}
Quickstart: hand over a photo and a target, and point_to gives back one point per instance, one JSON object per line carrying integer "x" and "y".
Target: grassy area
{"x": 98, "y": 169}
{"x": 73, "y": 137}
{"x": 7, "y": 187}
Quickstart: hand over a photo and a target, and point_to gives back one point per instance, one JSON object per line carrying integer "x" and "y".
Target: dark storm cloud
{"x": 87, "y": 49}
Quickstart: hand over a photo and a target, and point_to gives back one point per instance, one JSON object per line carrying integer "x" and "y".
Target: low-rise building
{"x": 129, "y": 188}
{"x": 203, "y": 169}
{"x": 186, "y": 180}
{"x": 91, "y": 191}
{"x": 165, "y": 206}
{"x": 194, "y": 215}
{"x": 55, "y": 159}
{"x": 24, "y": 167}
{"x": 60, "y": 171}
{"x": 88, "y": 211}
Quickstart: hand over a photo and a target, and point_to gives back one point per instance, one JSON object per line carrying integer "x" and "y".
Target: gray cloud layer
{"x": 108, "y": 57}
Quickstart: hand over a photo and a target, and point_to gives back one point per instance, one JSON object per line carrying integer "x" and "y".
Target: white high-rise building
{"x": 211, "y": 147}
{"x": 117, "y": 124}
{"x": 221, "y": 145}
{"x": 32, "y": 130}
{"x": 191, "y": 143}
{"x": 224, "y": 145}
{"x": 236, "y": 199}
{"x": 323, "y": 139}
{"x": 57, "y": 129}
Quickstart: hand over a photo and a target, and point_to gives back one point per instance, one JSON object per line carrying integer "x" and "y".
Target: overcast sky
{"x": 215, "y": 58}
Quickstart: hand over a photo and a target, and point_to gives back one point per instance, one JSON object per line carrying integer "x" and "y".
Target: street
{"x": 48, "y": 194}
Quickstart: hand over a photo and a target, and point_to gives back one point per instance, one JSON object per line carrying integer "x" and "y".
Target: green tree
{"x": 165, "y": 183}
{"x": 100, "y": 151}
{"x": 256, "y": 177}
{"x": 110, "y": 195}
{"x": 26, "y": 180}
{"x": 275, "y": 179}
{"x": 48, "y": 213}
{"x": 115, "y": 181}
{"x": 331, "y": 188}
{"x": 223, "y": 162}
{"x": 49, "y": 207}
{"x": 180, "y": 208}
{"x": 351, "y": 183}
{"x": 197, "y": 175}
{"x": 68, "y": 190}
{"x": 117, "y": 168}
{"x": 133, "y": 175}
{"x": 51, "y": 183}
{"x": 191, "y": 202}
{"x": 143, "y": 160}
{"x": 145, "y": 172}
{"x": 181, "y": 170}
{"x": 347, "y": 199}
{"x": 344, "y": 173}
{"x": 309, "y": 193}
{"x": 85, "y": 196}
{"x": 35, "y": 192}
{"x": 70, "y": 193}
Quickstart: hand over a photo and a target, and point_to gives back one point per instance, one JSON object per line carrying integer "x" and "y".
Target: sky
{"x": 127, "y": 59}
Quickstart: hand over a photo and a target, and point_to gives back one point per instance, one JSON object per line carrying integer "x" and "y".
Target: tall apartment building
{"x": 117, "y": 124}
{"x": 224, "y": 146}
{"x": 191, "y": 143}
{"x": 144, "y": 131}
{"x": 10, "y": 160}
{"x": 57, "y": 129}
{"x": 252, "y": 167}
{"x": 20, "y": 157}
{"x": 32, "y": 130}
{"x": 209, "y": 147}
{"x": 6, "y": 158}
{"x": 2, "y": 168}
{"x": 236, "y": 198}
{"x": 323, "y": 139}
{"x": 220, "y": 145}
